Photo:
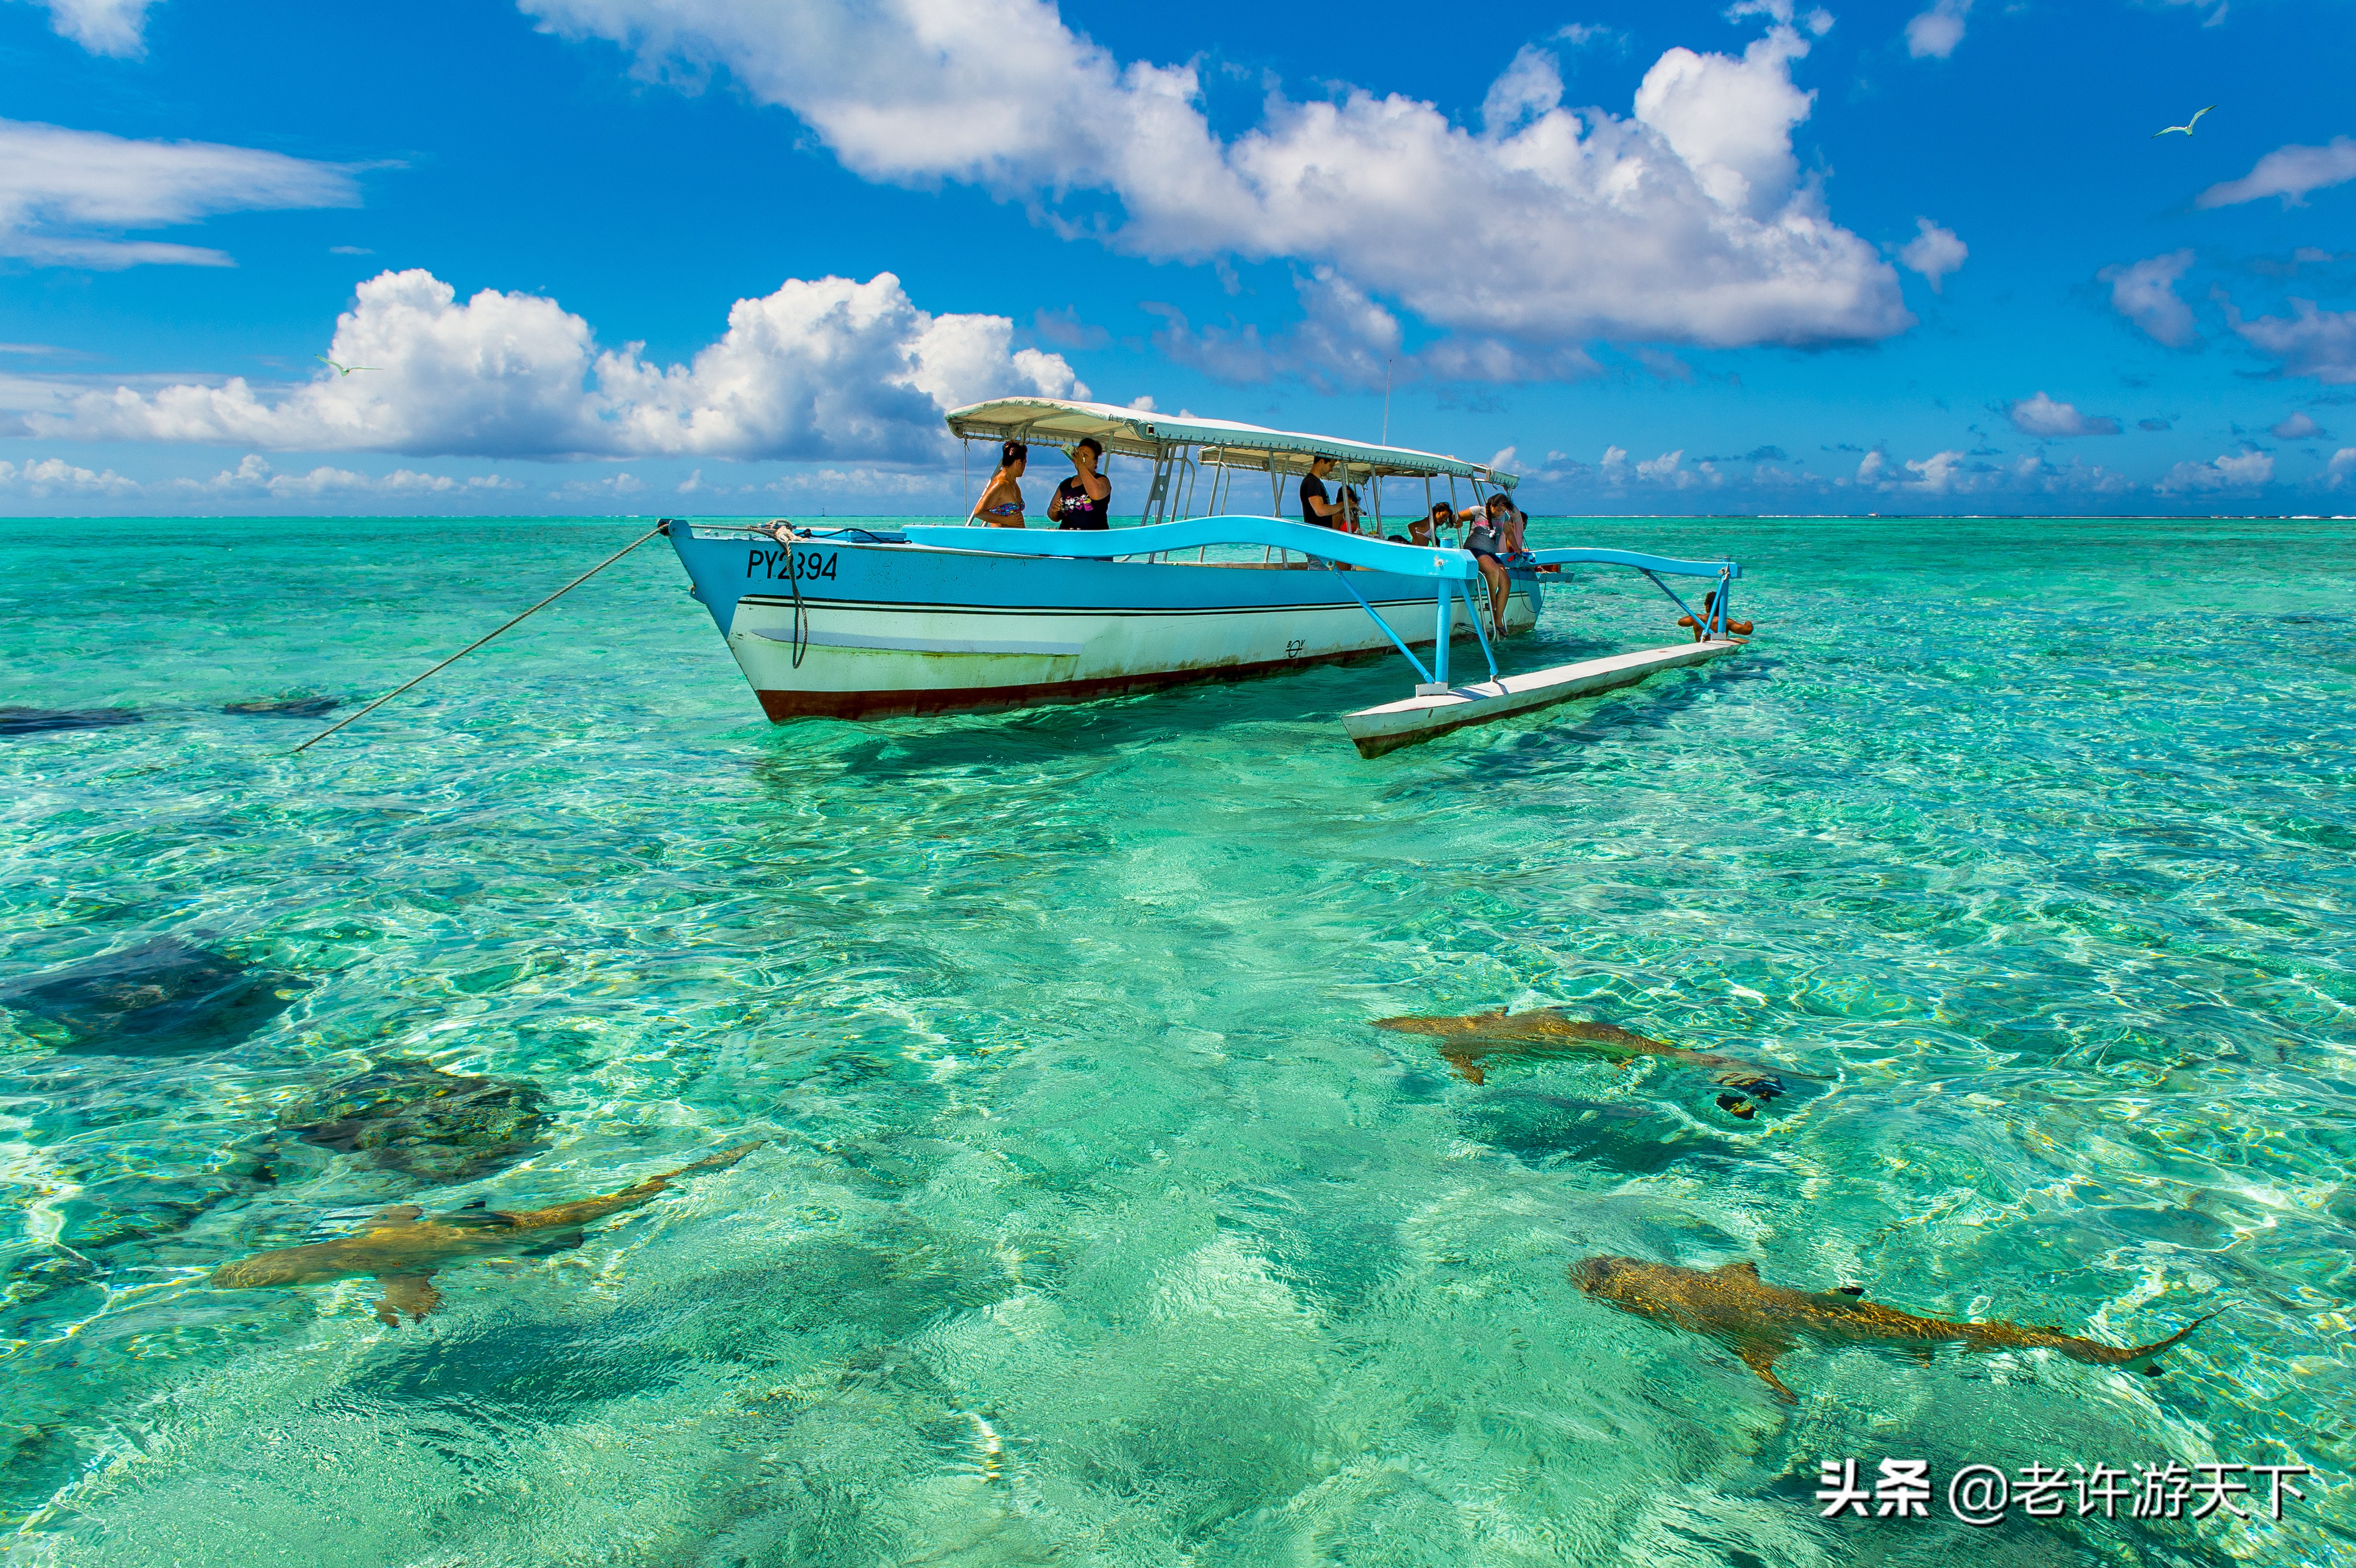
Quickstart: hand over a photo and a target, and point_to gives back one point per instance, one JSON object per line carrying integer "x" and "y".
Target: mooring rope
{"x": 801, "y": 615}
{"x": 658, "y": 528}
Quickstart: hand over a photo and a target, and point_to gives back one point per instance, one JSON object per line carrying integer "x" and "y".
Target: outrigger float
{"x": 858, "y": 623}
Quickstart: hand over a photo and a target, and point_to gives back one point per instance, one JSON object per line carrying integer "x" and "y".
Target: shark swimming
{"x": 1466, "y": 1041}
{"x": 401, "y": 1252}
{"x": 1760, "y": 1322}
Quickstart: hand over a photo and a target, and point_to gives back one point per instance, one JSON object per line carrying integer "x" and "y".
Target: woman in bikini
{"x": 1000, "y": 505}
{"x": 1497, "y": 535}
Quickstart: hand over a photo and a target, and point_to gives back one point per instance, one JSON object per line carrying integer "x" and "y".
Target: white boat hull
{"x": 894, "y": 629}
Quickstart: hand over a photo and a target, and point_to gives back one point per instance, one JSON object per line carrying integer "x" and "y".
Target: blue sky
{"x": 729, "y": 256}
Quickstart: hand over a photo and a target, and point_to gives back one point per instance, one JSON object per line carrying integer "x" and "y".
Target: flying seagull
{"x": 2186, "y": 127}
{"x": 347, "y": 369}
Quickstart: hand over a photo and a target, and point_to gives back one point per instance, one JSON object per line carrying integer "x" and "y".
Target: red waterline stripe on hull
{"x": 783, "y": 707}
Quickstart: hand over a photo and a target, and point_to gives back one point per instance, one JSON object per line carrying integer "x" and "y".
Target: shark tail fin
{"x": 720, "y": 1161}
{"x": 2145, "y": 1352}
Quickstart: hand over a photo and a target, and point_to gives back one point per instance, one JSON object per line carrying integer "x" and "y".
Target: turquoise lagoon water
{"x": 1095, "y": 1224}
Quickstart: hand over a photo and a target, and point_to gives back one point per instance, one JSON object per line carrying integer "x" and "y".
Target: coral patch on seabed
{"x": 414, "y": 1118}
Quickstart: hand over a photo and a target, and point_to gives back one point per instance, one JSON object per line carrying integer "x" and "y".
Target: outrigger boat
{"x": 858, "y": 623}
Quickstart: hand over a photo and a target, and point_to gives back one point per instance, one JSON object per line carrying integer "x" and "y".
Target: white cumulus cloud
{"x": 46, "y": 477}
{"x": 1666, "y": 470}
{"x": 1953, "y": 472}
{"x": 1933, "y": 34}
{"x": 2300, "y": 426}
{"x": 825, "y": 369}
{"x": 2041, "y": 416}
{"x": 2341, "y": 470}
{"x": 2309, "y": 341}
{"x": 2145, "y": 293}
{"x": 2288, "y": 172}
{"x": 2247, "y": 471}
{"x": 1684, "y": 220}
{"x": 66, "y": 195}
{"x": 1934, "y": 253}
{"x": 1938, "y": 473}
{"x": 103, "y": 26}
{"x": 254, "y": 477}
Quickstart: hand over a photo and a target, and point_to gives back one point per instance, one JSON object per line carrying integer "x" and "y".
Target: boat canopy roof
{"x": 1140, "y": 433}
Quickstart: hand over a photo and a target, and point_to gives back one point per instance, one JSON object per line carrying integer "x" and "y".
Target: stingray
{"x": 286, "y": 707}
{"x": 33, "y": 721}
{"x": 434, "y": 1126}
{"x": 165, "y": 997}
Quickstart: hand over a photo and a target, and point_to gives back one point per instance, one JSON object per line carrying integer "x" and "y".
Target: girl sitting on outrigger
{"x": 1000, "y": 505}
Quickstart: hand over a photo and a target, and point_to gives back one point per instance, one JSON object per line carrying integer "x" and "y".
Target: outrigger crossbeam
{"x": 1436, "y": 708}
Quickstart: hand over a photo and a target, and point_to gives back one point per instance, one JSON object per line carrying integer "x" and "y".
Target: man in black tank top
{"x": 1084, "y": 500}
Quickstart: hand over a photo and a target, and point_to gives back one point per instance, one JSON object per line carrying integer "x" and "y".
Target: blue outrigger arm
{"x": 1437, "y": 706}
{"x": 1656, "y": 567}
{"x": 1455, "y": 570}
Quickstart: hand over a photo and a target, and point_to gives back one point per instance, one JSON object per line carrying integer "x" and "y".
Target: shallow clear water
{"x": 1096, "y": 1224}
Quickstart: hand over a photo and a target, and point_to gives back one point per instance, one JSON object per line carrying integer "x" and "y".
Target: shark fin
{"x": 412, "y": 1293}
{"x": 1760, "y": 1358}
{"x": 1850, "y": 1290}
{"x": 1464, "y": 1066}
{"x": 557, "y": 1242}
{"x": 1745, "y": 1267}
